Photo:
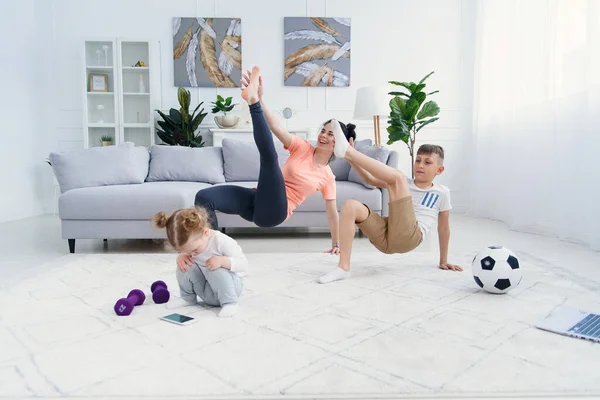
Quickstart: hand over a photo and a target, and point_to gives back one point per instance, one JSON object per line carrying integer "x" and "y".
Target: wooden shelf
{"x": 136, "y": 94}
{"x": 100, "y": 93}
{"x": 135, "y": 68}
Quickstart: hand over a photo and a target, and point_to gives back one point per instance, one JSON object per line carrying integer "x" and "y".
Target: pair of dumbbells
{"x": 160, "y": 295}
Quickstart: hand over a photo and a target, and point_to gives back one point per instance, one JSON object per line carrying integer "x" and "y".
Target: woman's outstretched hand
{"x": 246, "y": 80}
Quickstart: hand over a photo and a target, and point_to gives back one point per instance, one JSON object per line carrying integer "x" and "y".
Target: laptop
{"x": 572, "y": 322}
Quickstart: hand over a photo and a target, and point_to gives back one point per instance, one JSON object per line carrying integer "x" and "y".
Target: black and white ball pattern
{"x": 496, "y": 269}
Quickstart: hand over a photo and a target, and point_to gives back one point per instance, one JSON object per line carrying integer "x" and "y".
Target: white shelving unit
{"x": 124, "y": 109}
{"x": 100, "y": 107}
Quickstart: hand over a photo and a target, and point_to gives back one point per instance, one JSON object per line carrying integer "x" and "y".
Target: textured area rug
{"x": 399, "y": 326}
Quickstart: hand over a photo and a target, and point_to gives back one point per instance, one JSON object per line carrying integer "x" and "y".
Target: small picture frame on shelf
{"x": 98, "y": 83}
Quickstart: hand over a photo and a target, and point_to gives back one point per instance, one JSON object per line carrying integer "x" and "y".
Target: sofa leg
{"x": 106, "y": 240}
{"x": 72, "y": 246}
{"x": 223, "y": 230}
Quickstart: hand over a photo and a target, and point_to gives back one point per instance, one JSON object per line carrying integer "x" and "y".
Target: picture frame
{"x": 317, "y": 51}
{"x": 98, "y": 83}
{"x": 207, "y": 52}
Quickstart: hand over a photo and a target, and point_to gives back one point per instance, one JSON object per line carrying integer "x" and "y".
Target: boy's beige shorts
{"x": 397, "y": 233}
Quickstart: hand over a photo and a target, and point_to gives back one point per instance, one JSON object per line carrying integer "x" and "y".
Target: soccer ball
{"x": 496, "y": 269}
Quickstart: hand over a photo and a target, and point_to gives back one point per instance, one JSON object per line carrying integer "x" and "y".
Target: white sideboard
{"x": 246, "y": 135}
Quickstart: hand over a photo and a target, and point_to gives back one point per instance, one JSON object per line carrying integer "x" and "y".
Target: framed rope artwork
{"x": 207, "y": 52}
{"x": 317, "y": 51}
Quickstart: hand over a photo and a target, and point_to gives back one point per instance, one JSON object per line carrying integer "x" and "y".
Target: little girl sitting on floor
{"x": 208, "y": 261}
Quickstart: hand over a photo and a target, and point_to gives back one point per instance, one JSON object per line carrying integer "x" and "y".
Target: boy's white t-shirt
{"x": 428, "y": 203}
{"x": 222, "y": 245}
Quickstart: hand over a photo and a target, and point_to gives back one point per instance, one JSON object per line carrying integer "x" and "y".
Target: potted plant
{"x": 179, "y": 127}
{"x": 409, "y": 114}
{"x": 224, "y": 106}
{"x": 106, "y": 140}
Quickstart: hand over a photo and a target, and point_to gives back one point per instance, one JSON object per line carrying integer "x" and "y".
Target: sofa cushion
{"x": 188, "y": 164}
{"x": 380, "y": 154}
{"x": 100, "y": 166}
{"x": 340, "y": 167}
{"x": 241, "y": 160}
{"x": 128, "y": 202}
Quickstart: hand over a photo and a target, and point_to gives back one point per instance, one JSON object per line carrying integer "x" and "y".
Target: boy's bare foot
{"x": 250, "y": 93}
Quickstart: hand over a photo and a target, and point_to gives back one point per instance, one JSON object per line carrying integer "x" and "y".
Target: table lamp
{"x": 371, "y": 103}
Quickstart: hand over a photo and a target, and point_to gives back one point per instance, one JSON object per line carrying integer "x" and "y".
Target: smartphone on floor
{"x": 179, "y": 319}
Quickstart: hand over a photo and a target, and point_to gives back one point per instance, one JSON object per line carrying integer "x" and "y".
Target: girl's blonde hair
{"x": 182, "y": 224}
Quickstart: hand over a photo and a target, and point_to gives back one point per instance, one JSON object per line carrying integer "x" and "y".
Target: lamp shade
{"x": 372, "y": 101}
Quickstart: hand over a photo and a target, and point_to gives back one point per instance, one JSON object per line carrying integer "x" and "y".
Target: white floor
{"x": 399, "y": 327}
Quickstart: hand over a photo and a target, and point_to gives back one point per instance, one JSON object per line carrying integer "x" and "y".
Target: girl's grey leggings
{"x": 215, "y": 288}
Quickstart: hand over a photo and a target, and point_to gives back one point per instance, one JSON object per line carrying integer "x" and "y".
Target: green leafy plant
{"x": 106, "y": 138}
{"x": 222, "y": 105}
{"x": 179, "y": 127}
{"x": 409, "y": 113}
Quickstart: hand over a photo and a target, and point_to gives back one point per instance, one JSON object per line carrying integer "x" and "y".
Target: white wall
{"x": 24, "y": 175}
{"x": 391, "y": 40}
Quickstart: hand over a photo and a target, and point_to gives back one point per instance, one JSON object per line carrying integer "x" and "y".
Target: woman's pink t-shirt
{"x": 302, "y": 178}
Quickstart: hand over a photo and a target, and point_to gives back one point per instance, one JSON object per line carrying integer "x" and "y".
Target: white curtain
{"x": 535, "y": 160}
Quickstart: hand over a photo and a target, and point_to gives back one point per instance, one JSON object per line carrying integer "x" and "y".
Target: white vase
{"x": 142, "y": 84}
{"x": 226, "y": 121}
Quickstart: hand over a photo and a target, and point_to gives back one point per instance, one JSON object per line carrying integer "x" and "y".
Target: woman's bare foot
{"x": 250, "y": 93}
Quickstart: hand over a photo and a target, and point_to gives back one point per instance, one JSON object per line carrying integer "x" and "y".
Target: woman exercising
{"x": 279, "y": 190}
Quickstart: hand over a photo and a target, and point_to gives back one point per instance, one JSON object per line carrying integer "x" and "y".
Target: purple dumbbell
{"x": 160, "y": 293}
{"x": 125, "y": 306}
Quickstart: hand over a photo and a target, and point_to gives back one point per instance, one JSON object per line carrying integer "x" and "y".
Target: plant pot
{"x": 226, "y": 121}
{"x": 105, "y": 143}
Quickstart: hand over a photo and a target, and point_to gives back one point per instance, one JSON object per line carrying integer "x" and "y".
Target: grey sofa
{"x": 113, "y": 192}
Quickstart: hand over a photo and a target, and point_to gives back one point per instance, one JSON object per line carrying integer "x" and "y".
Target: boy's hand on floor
{"x": 450, "y": 267}
{"x": 184, "y": 261}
